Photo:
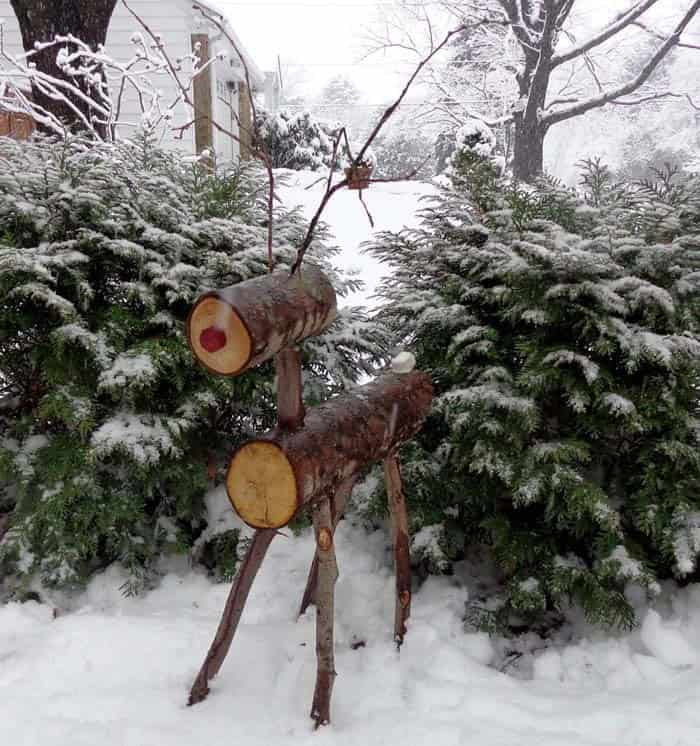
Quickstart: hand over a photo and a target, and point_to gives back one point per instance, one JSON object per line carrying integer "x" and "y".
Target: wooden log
{"x": 232, "y": 330}
{"x": 338, "y": 501}
{"x": 232, "y": 614}
{"x": 270, "y": 478}
{"x": 400, "y": 539}
{"x": 325, "y": 593}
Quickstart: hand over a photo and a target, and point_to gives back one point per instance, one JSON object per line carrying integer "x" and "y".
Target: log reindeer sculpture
{"x": 309, "y": 460}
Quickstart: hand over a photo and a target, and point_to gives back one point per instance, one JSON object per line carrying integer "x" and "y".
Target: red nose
{"x": 213, "y": 339}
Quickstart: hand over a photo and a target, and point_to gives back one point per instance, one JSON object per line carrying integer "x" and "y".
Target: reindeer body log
{"x": 269, "y": 479}
{"x": 237, "y": 328}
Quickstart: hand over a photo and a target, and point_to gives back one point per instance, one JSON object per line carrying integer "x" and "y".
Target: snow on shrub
{"x": 296, "y": 141}
{"x": 561, "y": 329}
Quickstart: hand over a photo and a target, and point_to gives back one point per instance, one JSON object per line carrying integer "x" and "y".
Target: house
{"x": 220, "y": 90}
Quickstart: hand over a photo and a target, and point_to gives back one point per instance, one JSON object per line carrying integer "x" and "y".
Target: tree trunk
{"x": 41, "y": 21}
{"x": 269, "y": 479}
{"x": 237, "y": 328}
{"x": 400, "y": 540}
{"x": 528, "y": 149}
{"x": 325, "y": 595}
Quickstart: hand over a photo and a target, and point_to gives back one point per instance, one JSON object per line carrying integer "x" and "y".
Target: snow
{"x": 404, "y": 362}
{"x": 393, "y": 206}
{"x": 143, "y": 438}
{"x": 115, "y": 671}
{"x": 619, "y": 405}
{"x": 665, "y": 640}
{"x": 27, "y": 453}
{"x": 589, "y": 369}
{"x": 130, "y": 369}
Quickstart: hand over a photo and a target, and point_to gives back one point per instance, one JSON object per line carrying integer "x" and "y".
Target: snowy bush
{"x": 114, "y": 433}
{"x": 296, "y": 141}
{"x": 473, "y": 141}
{"x": 400, "y": 154}
{"x": 561, "y": 330}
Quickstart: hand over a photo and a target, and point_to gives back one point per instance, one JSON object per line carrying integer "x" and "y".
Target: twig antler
{"x": 331, "y": 188}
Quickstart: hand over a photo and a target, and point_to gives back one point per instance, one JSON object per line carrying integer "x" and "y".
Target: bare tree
{"x": 535, "y": 45}
{"x": 41, "y": 21}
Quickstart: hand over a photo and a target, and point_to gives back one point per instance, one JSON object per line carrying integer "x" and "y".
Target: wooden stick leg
{"x": 232, "y": 614}
{"x": 327, "y": 576}
{"x": 338, "y": 503}
{"x": 402, "y": 558}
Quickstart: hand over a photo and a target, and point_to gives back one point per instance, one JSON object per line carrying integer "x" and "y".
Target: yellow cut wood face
{"x": 262, "y": 486}
{"x": 234, "y": 355}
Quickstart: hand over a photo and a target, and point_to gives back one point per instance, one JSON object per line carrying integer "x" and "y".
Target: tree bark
{"x": 528, "y": 149}
{"x": 338, "y": 502}
{"x": 41, "y": 21}
{"x": 228, "y": 625}
{"x": 400, "y": 538}
{"x": 325, "y": 597}
{"x": 271, "y": 478}
{"x": 290, "y": 405}
{"x": 232, "y": 330}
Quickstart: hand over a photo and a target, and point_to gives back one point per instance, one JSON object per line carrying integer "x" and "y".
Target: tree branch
{"x": 632, "y": 85}
{"x": 656, "y": 97}
{"x": 659, "y": 35}
{"x": 622, "y": 21}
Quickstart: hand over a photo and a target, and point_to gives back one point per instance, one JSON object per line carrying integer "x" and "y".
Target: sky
{"x": 317, "y": 39}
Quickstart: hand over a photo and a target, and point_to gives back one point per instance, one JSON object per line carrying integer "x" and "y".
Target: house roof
{"x": 257, "y": 77}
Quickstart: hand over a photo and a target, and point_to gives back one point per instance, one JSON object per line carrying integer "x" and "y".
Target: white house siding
{"x": 12, "y": 38}
{"x": 175, "y": 21}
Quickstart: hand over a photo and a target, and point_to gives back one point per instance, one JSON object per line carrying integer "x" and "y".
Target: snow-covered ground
{"x": 116, "y": 671}
{"x": 393, "y": 206}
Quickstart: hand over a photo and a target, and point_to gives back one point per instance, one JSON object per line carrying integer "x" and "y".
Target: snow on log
{"x": 272, "y": 477}
{"x": 232, "y": 330}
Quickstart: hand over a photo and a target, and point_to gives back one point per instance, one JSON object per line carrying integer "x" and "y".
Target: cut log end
{"x": 261, "y": 485}
{"x": 218, "y": 337}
